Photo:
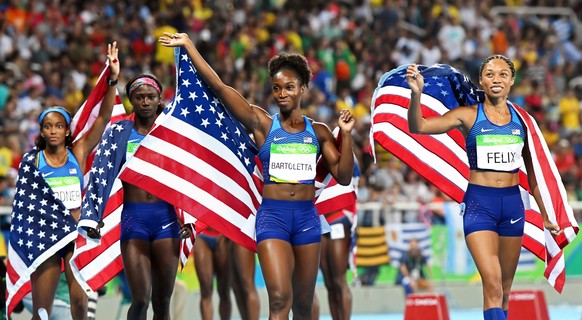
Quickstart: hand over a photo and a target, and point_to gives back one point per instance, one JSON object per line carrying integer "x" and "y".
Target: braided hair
{"x": 498, "y": 56}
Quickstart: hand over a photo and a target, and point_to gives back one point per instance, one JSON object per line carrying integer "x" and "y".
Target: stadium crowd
{"x": 51, "y": 53}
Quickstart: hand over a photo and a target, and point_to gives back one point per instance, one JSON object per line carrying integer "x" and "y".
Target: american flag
{"x": 85, "y": 117}
{"x": 331, "y": 196}
{"x": 96, "y": 261}
{"x": 41, "y": 226}
{"x": 442, "y": 159}
{"x": 200, "y": 159}
{"x": 80, "y": 125}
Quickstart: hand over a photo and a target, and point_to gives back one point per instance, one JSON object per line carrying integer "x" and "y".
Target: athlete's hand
{"x": 112, "y": 56}
{"x": 174, "y": 39}
{"x": 414, "y": 79}
{"x": 554, "y": 229}
{"x": 95, "y": 233}
{"x": 346, "y": 121}
{"x": 186, "y": 231}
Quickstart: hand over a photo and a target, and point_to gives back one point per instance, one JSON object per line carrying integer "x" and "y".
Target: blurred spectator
{"x": 569, "y": 107}
{"x": 430, "y": 53}
{"x": 5, "y": 200}
{"x": 414, "y": 273}
{"x": 415, "y": 190}
{"x": 564, "y": 156}
{"x": 5, "y": 156}
{"x": 451, "y": 37}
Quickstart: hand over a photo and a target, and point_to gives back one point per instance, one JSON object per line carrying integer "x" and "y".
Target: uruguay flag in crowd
{"x": 442, "y": 160}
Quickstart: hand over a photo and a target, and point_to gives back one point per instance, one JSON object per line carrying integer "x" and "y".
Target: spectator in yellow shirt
{"x": 569, "y": 107}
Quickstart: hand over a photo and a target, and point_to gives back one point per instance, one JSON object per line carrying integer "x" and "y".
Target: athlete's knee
{"x": 78, "y": 312}
{"x": 140, "y": 302}
{"x": 279, "y": 300}
{"x": 78, "y": 302}
{"x": 492, "y": 289}
{"x": 248, "y": 290}
{"x": 339, "y": 283}
{"x": 302, "y": 308}
{"x": 161, "y": 302}
{"x": 206, "y": 291}
{"x": 224, "y": 292}
{"x": 303, "y": 300}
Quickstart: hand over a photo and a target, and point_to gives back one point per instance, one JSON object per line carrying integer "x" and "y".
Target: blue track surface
{"x": 556, "y": 313}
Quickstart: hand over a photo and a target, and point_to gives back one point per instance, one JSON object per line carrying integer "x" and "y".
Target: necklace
{"x": 58, "y": 163}
{"x": 498, "y": 117}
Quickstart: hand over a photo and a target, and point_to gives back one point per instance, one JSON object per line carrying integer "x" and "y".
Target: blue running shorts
{"x": 500, "y": 210}
{"x": 296, "y": 222}
{"x": 149, "y": 221}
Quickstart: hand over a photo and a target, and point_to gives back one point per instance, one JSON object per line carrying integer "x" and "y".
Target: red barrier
{"x": 527, "y": 305}
{"x": 427, "y": 306}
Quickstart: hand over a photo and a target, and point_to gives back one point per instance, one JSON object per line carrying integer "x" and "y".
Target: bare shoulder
{"x": 467, "y": 115}
{"x": 318, "y": 125}
{"x": 263, "y": 117}
{"x": 321, "y": 129}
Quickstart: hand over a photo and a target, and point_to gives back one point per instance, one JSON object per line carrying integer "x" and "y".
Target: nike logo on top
{"x": 167, "y": 225}
{"x": 514, "y": 221}
{"x": 278, "y": 138}
{"x": 486, "y": 130}
{"x": 47, "y": 174}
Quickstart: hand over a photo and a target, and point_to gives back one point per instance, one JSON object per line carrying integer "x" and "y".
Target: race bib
{"x": 292, "y": 162}
{"x": 499, "y": 152}
{"x": 131, "y": 148}
{"x": 337, "y": 231}
{"x": 66, "y": 189}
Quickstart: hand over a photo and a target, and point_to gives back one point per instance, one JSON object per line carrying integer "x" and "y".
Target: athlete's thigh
{"x": 165, "y": 255}
{"x": 204, "y": 264}
{"x": 222, "y": 264}
{"x": 339, "y": 251}
{"x": 277, "y": 263}
{"x": 135, "y": 254}
{"x": 243, "y": 262}
{"x": 44, "y": 282}
{"x": 306, "y": 267}
{"x": 484, "y": 248}
{"x": 509, "y": 251}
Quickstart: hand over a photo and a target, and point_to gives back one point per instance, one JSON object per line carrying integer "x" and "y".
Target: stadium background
{"x": 52, "y": 51}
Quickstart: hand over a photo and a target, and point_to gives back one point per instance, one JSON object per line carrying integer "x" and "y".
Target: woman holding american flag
{"x": 48, "y": 206}
{"x": 288, "y": 230}
{"x": 496, "y": 144}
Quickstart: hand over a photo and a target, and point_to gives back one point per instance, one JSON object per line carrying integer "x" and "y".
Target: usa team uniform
{"x": 494, "y": 148}
{"x": 289, "y": 158}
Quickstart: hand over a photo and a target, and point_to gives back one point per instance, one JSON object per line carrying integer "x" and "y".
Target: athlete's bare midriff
{"x": 493, "y": 179}
{"x": 288, "y": 191}
{"x": 134, "y": 194}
